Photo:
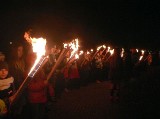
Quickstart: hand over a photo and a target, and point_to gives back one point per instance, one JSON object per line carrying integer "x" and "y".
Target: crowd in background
{"x": 69, "y": 75}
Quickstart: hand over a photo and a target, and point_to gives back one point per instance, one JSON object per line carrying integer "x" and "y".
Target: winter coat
{"x": 37, "y": 91}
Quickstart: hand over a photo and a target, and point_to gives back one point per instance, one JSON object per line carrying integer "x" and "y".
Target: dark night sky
{"x": 133, "y": 23}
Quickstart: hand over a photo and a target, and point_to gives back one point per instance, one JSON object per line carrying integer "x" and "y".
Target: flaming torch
{"x": 107, "y": 51}
{"x": 142, "y": 54}
{"x": 98, "y": 48}
{"x": 85, "y": 57}
{"x": 60, "y": 58}
{"x": 74, "y": 46}
{"x": 81, "y": 52}
{"x": 38, "y": 47}
{"x": 111, "y": 53}
{"x": 104, "y": 48}
{"x": 122, "y": 52}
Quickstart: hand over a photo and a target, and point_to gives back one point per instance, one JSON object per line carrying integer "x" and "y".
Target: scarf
{"x": 6, "y": 83}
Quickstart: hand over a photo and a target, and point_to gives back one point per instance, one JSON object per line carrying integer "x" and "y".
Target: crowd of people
{"x": 70, "y": 74}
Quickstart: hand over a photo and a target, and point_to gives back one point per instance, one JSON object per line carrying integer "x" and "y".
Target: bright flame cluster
{"x": 39, "y": 45}
{"x": 142, "y": 54}
{"x": 74, "y": 46}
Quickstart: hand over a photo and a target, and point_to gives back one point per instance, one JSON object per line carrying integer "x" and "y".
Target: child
{"x": 6, "y": 88}
{"x": 37, "y": 95}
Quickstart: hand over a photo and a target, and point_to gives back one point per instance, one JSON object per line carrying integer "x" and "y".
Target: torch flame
{"x": 108, "y": 49}
{"x": 74, "y": 46}
{"x": 38, "y": 45}
{"x": 142, "y": 54}
{"x": 142, "y": 51}
{"x": 91, "y": 50}
{"x": 104, "y": 46}
{"x": 122, "y": 52}
{"x": 65, "y": 45}
{"x": 140, "y": 58}
{"x": 111, "y": 51}
{"x": 136, "y": 50}
{"x": 98, "y": 48}
{"x": 81, "y": 52}
{"x": 88, "y": 52}
{"x": 76, "y": 56}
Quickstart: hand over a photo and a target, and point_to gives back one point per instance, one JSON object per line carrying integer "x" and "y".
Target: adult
{"x": 17, "y": 67}
{"x": 115, "y": 74}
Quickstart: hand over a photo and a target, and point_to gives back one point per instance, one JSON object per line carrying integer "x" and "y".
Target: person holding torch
{"x": 115, "y": 74}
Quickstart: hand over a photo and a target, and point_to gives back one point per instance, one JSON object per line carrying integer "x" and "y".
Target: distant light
{"x": 136, "y": 50}
{"x": 10, "y": 43}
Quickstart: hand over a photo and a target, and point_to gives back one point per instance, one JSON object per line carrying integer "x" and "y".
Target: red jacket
{"x": 37, "y": 91}
{"x": 73, "y": 72}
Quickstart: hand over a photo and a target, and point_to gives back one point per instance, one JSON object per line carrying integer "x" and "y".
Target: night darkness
{"x": 120, "y": 22}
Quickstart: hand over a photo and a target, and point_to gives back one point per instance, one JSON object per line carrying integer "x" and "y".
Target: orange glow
{"x": 38, "y": 45}
{"x": 108, "y": 49}
{"x": 88, "y": 52}
{"x": 80, "y": 52}
{"x": 142, "y": 53}
{"x": 122, "y": 52}
{"x": 104, "y": 46}
{"x": 98, "y": 48}
{"x": 74, "y": 46}
{"x": 76, "y": 56}
{"x": 111, "y": 51}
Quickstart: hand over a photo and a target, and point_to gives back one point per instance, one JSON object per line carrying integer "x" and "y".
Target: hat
{"x": 3, "y": 65}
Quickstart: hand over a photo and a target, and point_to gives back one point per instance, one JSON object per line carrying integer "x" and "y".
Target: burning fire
{"x": 38, "y": 46}
{"x": 108, "y": 49}
{"x": 122, "y": 52}
{"x": 98, "y": 48}
{"x": 81, "y": 52}
{"x": 142, "y": 54}
{"x": 104, "y": 46}
{"x": 111, "y": 51}
{"x": 76, "y": 56}
{"x": 91, "y": 50}
{"x": 73, "y": 45}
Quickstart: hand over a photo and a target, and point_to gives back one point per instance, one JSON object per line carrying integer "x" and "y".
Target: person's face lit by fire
{"x": 20, "y": 51}
{"x": 3, "y": 73}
